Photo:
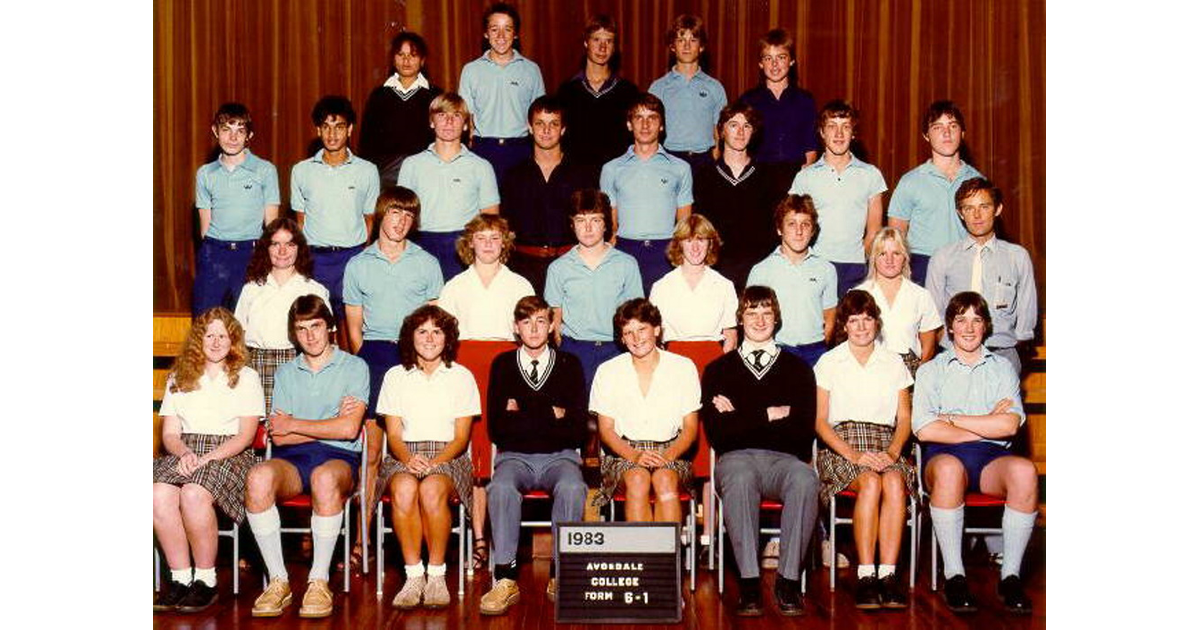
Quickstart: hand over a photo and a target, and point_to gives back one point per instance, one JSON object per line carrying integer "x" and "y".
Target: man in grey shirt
{"x": 1000, "y": 271}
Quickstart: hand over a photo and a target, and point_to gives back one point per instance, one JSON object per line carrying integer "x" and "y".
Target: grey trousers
{"x": 516, "y": 473}
{"x": 743, "y": 478}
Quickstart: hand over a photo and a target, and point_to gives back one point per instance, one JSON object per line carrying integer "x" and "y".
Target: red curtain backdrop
{"x": 889, "y": 57}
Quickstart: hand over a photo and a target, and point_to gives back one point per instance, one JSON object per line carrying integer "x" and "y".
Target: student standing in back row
{"x": 396, "y": 117}
{"x": 498, "y": 88}
{"x": 693, "y": 98}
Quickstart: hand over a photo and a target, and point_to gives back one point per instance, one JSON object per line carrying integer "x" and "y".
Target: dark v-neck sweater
{"x": 532, "y": 428}
{"x": 787, "y": 381}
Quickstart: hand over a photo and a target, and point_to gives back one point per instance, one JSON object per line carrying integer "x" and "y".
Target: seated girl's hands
{"x": 188, "y": 464}
{"x": 418, "y": 464}
{"x": 650, "y": 459}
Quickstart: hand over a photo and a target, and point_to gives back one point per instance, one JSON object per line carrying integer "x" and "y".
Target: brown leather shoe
{"x": 502, "y": 596}
{"x": 318, "y": 600}
{"x": 271, "y": 603}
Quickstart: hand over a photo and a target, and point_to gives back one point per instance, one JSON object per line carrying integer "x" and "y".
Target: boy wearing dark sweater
{"x": 537, "y": 418}
{"x": 759, "y": 413}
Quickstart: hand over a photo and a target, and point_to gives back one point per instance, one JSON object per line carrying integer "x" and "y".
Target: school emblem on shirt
{"x": 663, "y": 181}
{"x": 812, "y": 278}
{"x": 456, "y": 180}
{"x": 514, "y": 84}
{"x": 248, "y": 186}
{"x": 703, "y": 94}
{"x": 350, "y": 187}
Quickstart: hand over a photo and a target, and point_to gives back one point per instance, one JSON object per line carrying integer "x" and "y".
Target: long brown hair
{"x": 440, "y": 318}
{"x": 189, "y": 365}
{"x": 260, "y": 260}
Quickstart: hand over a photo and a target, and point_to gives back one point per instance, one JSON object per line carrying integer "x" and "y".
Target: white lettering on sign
{"x": 598, "y": 596}
{"x": 614, "y": 581}
{"x": 615, "y": 566}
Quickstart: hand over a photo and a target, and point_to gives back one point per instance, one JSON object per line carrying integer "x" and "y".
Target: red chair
{"x": 702, "y": 353}
{"x": 971, "y": 500}
{"x": 477, "y": 356}
{"x": 381, "y": 530}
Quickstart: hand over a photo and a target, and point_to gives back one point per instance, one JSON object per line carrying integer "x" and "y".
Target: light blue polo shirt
{"x": 589, "y": 297}
{"x": 237, "y": 197}
{"x": 334, "y": 198}
{"x": 451, "y": 193}
{"x": 388, "y": 291}
{"x": 841, "y": 200}
{"x": 693, "y": 108}
{"x": 925, "y": 198}
{"x": 947, "y": 385}
{"x": 499, "y": 97}
{"x": 318, "y": 395}
{"x": 646, "y": 193}
{"x": 804, "y": 290}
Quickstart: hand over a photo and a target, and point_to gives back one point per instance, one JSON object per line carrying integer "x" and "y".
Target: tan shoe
{"x": 318, "y": 600}
{"x": 502, "y": 596}
{"x": 273, "y": 600}
{"x": 436, "y": 594}
{"x": 409, "y": 596}
{"x": 552, "y": 589}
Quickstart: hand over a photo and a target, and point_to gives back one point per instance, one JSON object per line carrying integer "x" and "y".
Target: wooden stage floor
{"x": 704, "y": 609}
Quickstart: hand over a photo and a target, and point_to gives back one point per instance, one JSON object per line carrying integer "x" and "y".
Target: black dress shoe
{"x": 892, "y": 593}
{"x": 1012, "y": 593}
{"x": 167, "y": 600}
{"x": 958, "y": 596}
{"x": 749, "y": 597}
{"x": 866, "y": 594}
{"x": 787, "y": 597}
{"x": 199, "y": 597}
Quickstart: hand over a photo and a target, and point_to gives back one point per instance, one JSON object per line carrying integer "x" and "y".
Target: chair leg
{"x": 833, "y": 543}
{"x": 933, "y": 553}
{"x": 157, "y": 571}
{"x": 379, "y": 534}
{"x": 720, "y": 545}
{"x": 462, "y": 547}
{"x": 236, "y": 568}
{"x": 914, "y": 538}
{"x": 347, "y": 541}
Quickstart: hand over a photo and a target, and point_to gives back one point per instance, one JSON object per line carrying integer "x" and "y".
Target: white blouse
{"x": 484, "y": 312}
{"x": 674, "y": 392}
{"x": 700, "y": 314}
{"x": 262, "y": 309}
{"x": 913, "y": 312}
{"x": 213, "y": 408}
{"x": 864, "y": 393}
{"x": 428, "y": 405}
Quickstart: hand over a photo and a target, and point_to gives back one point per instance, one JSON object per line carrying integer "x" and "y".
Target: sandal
{"x": 479, "y": 559}
{"x": 356, "y": 560}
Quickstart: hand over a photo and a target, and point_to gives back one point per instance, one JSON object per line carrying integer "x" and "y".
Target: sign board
{"x": 618, "y": 573}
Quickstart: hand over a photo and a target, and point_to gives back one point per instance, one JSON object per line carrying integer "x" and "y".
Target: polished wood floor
{"x": 704, "y": 609}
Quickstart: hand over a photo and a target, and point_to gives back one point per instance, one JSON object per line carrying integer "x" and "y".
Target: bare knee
{"x": 326, "y": 483}
{"x": 403, "y": 489}
{"x": 166, "y": 500}
{"x": 946, "y": 474}
{"x": 1021, "y": 481}
{"x": 868, "y": 484}
{"x": 260, "y": 488}
{"x": 893, "y": 486}
{"x": 434, "y": 495}
{"x": 665, "y": 482}
{"x": 637, "y": 484}
{"x": 194, "y": 497}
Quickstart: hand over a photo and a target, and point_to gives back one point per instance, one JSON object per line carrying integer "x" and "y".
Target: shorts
{"x": 975, "y": 456}
{"x": 306, "y": 457}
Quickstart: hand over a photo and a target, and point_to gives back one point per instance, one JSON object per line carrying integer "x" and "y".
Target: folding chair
{"x": 913, "y": 521}
{"x": 970, "y": 500}
{"x": 381, "y": 529}
{"x": 260, "y": 438}
{"x": 771, "y": 505}
{"x": 304, "y": 501}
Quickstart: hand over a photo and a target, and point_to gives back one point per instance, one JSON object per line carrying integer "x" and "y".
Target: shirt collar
{"x": 727, "y": 172}
{"x": 394, "y": 83}
{"x": 842, "y": 352}
{"x": 608, "y": 84}
{"x": 517, "y": 56}
{"x": 320, "y": 155}
{"x": 969, "y": 243}
{"x": 462, "y": 150}
{"x": 854, "y": 161}
{"x": 748, "y": 347}
{"x": 337, "y": 358}
{"x": 986, "y": 356}
{"x": 250, "y": 163}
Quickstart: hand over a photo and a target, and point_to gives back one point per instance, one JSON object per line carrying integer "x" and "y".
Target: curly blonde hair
{"x": 484, "y": 223}
{"x": 189, "y": 365}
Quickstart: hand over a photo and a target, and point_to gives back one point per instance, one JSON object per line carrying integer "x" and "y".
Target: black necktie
{"x": 533, "y": 375}
{"x": 758, "y": 365}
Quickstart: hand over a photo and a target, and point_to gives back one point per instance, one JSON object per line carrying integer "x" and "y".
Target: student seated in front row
{"x": 537, "y": 416}
{"x": 428, "y": 403}
{"x": 966, "y": 409}
{"x": 647, "y": 402}
{"x": 317, "y": 414}
{"x": 758, "y": 415}
{"x": 210, "y": 412}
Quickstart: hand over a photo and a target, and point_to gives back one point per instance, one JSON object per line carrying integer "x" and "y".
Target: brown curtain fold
{"x": 889, "y": 57}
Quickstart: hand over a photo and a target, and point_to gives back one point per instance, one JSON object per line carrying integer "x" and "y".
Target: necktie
{"x": 758, "y": 354}
{"x": 977, "y": 271}
{"x": 533, "y": 375}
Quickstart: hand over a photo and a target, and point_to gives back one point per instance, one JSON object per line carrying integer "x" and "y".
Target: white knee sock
{"x": 208, "y": 576}
{"x": 948, "y": 523}
{"x": 1017, "y": 526}
{"x": 325, "y": 531}
{"x": 265, "y": 526}
{"x": 183, "y": 576}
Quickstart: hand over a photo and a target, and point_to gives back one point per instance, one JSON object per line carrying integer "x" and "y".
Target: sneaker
{"x": 892, "y": 592}
{"x": 958, "y": 596}
{"x": 436, "y": 595}
{"x": 167, "y": 600}
{"x": 502, "y": 596}
{"x": 273, "y": 600}
{"x": 409, "y": 596}
{"x": 1014, "y": 597}
{"x": 866, "y": 593}
{"x": 199, "y": 597}
{"x": 552, "y": 590}
{"x": 787, "y": 597}
{"x": 827, "y": 556}
{"x": 770, "y": 554}
{"x": 318, "y": 600}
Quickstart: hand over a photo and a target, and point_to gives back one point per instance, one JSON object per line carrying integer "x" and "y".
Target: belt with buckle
{"x": 231, "y": 245}
{"x": 325, "y": 249}
{"x": 542, "y": 251}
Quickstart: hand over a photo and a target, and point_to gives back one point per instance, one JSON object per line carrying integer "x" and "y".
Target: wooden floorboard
{"x": 703, "y": 609}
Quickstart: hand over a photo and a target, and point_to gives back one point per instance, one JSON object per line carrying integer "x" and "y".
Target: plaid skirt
{"x": 458, "y": 470}
{"x": 613, "y": 468}
{"x": 912, "y": 362}
{"x": 837, "y": 472}
{"x": 225, "y": 479}
{"x": 264, "y": 361}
